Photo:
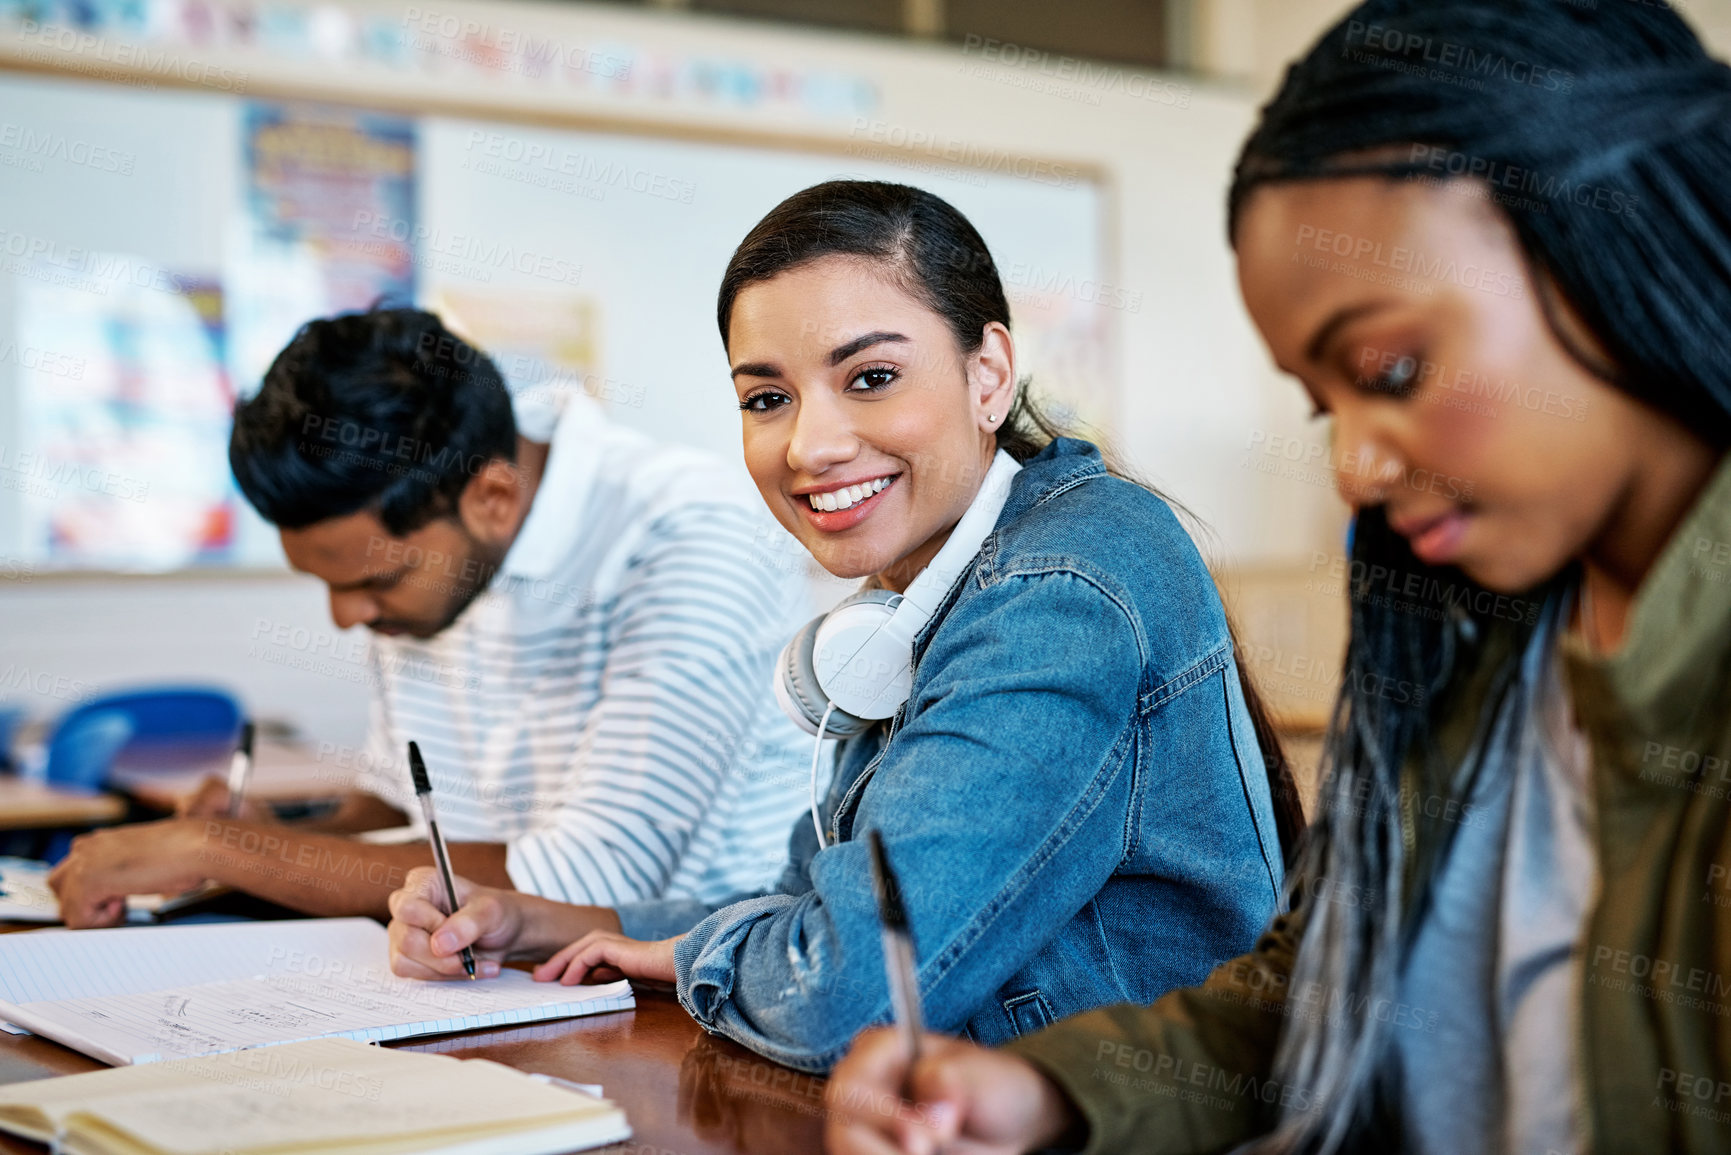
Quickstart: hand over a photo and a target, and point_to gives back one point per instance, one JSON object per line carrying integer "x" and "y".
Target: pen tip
{"x": 418, "y": 770}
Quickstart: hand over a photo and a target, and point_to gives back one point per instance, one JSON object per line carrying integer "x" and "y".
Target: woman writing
{"x": 1072, "y": 792}
{"x": 1529, "y": 379}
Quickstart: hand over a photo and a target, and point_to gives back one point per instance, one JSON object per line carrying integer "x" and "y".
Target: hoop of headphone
{"x": 854, "y": 666}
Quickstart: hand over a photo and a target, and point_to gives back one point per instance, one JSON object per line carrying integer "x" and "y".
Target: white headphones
{"x": 854, "y": 665}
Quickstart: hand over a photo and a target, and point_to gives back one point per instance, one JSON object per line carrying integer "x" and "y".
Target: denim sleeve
{"x": 660, "y": 918}
{"x": 1002, "y": 799}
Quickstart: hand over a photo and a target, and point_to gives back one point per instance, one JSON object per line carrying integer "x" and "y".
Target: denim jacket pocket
{"x": 1028, "y": 1012}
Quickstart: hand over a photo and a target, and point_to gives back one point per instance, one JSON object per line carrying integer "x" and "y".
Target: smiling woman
{"x": 1071, "y": 781}
{"x": 831, "y": 411}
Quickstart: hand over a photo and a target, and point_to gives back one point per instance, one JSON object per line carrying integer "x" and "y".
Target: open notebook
{"x": 26, "y": 897}
{"x": 24, "y": 893}
{"x": 330, "y": 1096}
{"x": 142, "y": 995}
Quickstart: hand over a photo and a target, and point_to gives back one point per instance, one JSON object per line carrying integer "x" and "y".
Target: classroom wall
{"x": 1192, "y": 380}
{"x": 1254, "y": 40}
{"x": 1196, "y": 397}
{"x": 565, "y": 281}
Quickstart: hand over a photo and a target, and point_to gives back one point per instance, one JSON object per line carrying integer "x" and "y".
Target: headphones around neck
{"x": 853, "y": 666}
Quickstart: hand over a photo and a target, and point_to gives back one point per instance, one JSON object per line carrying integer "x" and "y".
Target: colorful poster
{"x": 429, "y": 41}
{"x": 329, "y": 223}
{"x": 126, "y": 424}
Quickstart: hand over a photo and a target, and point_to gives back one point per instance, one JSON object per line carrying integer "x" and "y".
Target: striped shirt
{"x": 604, "y": 707}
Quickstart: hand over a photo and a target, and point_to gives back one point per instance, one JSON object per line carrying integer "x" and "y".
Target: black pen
{"x": 898, "y": 949}
{"x": 424, "y": 794}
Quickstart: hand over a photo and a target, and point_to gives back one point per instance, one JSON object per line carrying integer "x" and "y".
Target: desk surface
{"x": 31, "y": 805}
{"x": 164, "y": 773}
{"x": 684, "y": 1092}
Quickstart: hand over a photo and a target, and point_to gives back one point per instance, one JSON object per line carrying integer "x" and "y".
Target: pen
{"x": 898, "y": 948}
{"x": 239, "y": 770}
{"x": 424, "y": 795}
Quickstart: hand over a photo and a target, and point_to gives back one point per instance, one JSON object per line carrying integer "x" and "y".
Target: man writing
{"x": 575, "y": 623}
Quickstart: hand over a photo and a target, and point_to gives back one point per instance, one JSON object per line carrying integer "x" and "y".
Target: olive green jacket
{"x": 1192, "y": 1072}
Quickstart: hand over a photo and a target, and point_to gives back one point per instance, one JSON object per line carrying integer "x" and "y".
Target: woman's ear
{"x": 992, "y": 370}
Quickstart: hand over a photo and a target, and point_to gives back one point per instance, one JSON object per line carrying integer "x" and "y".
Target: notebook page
{"x": 464, "y": 1101}
{"x": 374, "y": 1005}
{"x": 24, "y": 892}
{"x": 328, "y": 1093}
{"x": 57, "y": 1098}
{"x": 72, "y": 964}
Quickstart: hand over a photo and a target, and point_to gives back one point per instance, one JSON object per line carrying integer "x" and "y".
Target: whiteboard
{"x": 634, "y": 229}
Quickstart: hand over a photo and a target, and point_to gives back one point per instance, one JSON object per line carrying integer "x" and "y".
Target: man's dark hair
{"x": 386, "y": 411}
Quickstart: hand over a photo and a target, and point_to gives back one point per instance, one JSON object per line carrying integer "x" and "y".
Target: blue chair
{"x": 91, "y": 736}
{"x": 84, "y": 747}
{"x": 80, "y": 755}
{"x": 186, "y": 714}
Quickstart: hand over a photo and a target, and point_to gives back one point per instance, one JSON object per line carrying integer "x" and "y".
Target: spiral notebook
{"x": 142, "y": 995}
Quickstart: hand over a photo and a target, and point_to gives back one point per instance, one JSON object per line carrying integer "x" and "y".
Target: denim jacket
{"x": 1072, "y": 797}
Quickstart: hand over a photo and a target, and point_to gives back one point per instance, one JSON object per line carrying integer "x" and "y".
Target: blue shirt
{"x": 1072, "y": 796}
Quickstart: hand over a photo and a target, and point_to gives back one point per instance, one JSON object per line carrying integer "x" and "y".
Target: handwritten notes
{"x": 245, "y": 985}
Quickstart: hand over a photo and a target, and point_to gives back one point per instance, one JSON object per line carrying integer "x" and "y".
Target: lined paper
{"x": 71, "y": 964}
{"x": 212, "y": 1018}
{"x": 266, "y": 983}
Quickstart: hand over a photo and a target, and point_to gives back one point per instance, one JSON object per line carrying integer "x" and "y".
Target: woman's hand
{"x": 426, "y": 944}
{"x": 603, "y": 956}
{"x": 966, "y": 1099}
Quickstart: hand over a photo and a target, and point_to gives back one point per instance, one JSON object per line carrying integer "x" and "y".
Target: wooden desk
{"x": 33, "y": 806}
{"x": 685, "y": 1092}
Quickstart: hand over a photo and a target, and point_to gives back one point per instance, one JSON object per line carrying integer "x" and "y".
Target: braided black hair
{"x": 1602, "y": 131}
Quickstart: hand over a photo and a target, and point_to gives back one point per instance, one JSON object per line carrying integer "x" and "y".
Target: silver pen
{"x": 899, "y": 961}
{"x": 239, "y": 770}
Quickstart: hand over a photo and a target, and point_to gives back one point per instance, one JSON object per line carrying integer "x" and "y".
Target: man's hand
{"x": 210, "y": 800}
{"x": 107, "y": 865}
{"x": 965, "y": 1098}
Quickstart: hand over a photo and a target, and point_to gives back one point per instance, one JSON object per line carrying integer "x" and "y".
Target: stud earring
{"x": 993, "y": 420}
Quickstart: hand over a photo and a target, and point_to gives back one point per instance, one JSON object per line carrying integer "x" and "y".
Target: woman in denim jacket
{"x": 1075, "y": 794}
